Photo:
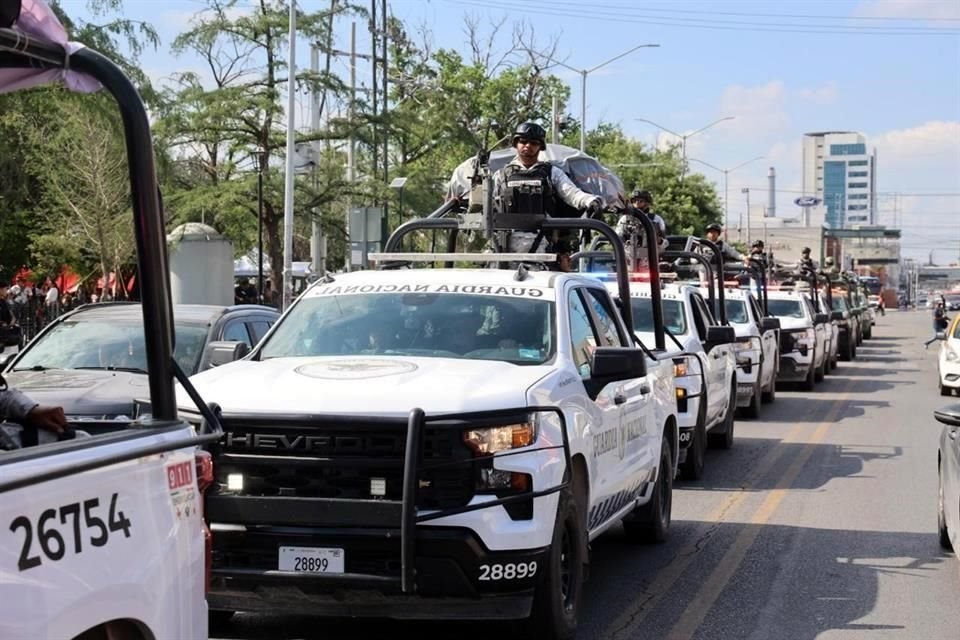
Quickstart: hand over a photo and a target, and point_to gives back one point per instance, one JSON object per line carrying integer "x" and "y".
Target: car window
{"x": 432, "y": 325}
{"x": 105, "y": 343}
{"x": 786, "y": 308}
{"x": 583, "y": 339}
{"x": 736, "y": 311}
{"x": 603, "y": 313}
{"x": 705, "y": 309}
{"x": 236, "y": 331}
{"x": 699, "y": 321}
{"x": 259, "y": 329}
{"x": 757, "y": 311}
{"x": 674, "y": 315}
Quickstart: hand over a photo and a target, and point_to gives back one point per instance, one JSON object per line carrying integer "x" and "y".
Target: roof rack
{"x": 693, "y": 249}
{"x": 492, "y": 224}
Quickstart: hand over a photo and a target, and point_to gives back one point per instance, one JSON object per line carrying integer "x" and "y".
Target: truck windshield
{"x": 785, "y": 308}
{"x": 674, "y": 317}
{"x": 444, "y": 325}
{"x": 736, "y": 311}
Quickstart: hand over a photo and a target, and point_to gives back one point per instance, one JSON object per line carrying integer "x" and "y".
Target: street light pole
{"x": 260, "y": 226}
{"x": 683, "y": 137}
{"x": 726, "y": 173}
{"x": 583, "y": 83}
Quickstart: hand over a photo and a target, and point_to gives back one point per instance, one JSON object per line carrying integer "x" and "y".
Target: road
{"x": 819, "y": 523}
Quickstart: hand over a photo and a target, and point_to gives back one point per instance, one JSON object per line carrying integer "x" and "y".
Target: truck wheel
{"x": 770, "y": 394}
{"x": 821, "y": 372}
{"x": 752, "y": 410}
{"x": 219, "y": 619}
{"x": 943, "y": 533}
{"x": 651, "y": 522}
{"x": 557, "y": 598}
{"x": 724, "y": 439}
{"x": 692, "y": 467}
{"x": 810, "y": 383}
{"x": 868, "y": 334}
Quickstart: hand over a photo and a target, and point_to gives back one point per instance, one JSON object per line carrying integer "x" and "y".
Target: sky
{"x": 889, "y": 69}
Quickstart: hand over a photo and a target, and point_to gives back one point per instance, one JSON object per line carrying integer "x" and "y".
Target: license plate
{"x": 311, "y": 559}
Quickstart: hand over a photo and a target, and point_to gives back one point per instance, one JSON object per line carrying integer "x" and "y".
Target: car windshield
{"x": 839, "y": 302}
{"x": 674, "y": 316}
{"x": 736, "y": 311}
{"x": 433, "y": 325}
{"x": 786, "y": 308}
{"x": 107, "y": 344}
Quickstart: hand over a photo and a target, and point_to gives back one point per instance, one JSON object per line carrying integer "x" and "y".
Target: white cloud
{"x": 908, "y": 9}
{"x": 760, "y": 111}
{"x": 827, "y": 94}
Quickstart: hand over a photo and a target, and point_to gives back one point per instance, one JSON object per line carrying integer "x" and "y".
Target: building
{"x": 838, "y": 170}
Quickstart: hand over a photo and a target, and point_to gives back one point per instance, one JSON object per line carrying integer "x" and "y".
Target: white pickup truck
{"x": 436, "y": 443}
{"x": 803, "y": 337}
{"x": 757, "y": 350}
{"x": 103, "y": 536}
{"x": 702, "y": 351}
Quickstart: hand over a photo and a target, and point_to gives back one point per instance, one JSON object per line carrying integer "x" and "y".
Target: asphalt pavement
{"x": 819, "y": 523}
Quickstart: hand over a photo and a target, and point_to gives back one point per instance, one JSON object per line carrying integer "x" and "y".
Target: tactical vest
{"x": 528, "y": 190}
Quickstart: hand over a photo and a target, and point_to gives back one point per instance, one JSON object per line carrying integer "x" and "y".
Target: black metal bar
{"x": 520, "y": 497}
{"x": 393, "y": 242}
{"x": 303, "y": 512}
{"x": 705, "y": 263}
{"x": 444, "y": 209}
{"x": 718, "y": 259}
{"x": 348, "y": 579}
{"x": 408, "y": 526}
{"x": 148, "y": 223}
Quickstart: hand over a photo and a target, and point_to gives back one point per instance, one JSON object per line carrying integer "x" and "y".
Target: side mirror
{"x": 768, "y": 324}
{"x": 837, "y": 315}
{"x": 223, "y": 351}
{"x": 720, "y": 335}
{"x": 619, "y": 363}
{"x": 949, "y": 415}
{"x": 821, "y": 318}
{"x": 5, "y": 360}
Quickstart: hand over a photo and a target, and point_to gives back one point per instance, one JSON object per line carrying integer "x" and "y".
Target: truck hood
{"x": 377, "y": 385}
{"x": 650, "y": 340}
{"x": 83, "y": 393}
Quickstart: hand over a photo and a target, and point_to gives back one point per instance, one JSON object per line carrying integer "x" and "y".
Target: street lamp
{"x": 583, "y": 84}
{"x": 683, "y": 137}
{"x": 726, "y": 172}
{"x": 397, "y": 183}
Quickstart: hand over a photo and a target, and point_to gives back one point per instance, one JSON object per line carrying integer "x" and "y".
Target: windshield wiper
{"x": 36, "y": 367}
{"x": 112, "y": 368}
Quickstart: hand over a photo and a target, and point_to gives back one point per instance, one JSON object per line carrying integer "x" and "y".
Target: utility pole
{"x": 746, "y": 190}
{"x": 317, "y": 253}
{"x": 351, "y": 153}
{"x": 288, "y": 175}
{"x": 555, "y": 124}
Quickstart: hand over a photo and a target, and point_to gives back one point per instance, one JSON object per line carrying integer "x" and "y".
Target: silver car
{"x": 949, "y": 469}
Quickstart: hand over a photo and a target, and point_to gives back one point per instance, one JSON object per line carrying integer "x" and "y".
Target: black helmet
{"x": 757, "y": 244}
{"x": 641, "y": 194}
{"x": 715, "y": 226}
{"x": 530, "y": 131}
{"x": 806, "y": 251}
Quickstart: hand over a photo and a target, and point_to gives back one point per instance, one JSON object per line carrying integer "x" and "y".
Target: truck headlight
{"x": 490, "y": 440}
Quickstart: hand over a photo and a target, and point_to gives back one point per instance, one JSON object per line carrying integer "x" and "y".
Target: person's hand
{"x": 595, "y": 207}
{"x": 50, "y": 419}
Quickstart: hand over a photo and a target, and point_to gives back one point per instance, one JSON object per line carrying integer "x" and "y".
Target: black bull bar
{"x": 380, "y": 514}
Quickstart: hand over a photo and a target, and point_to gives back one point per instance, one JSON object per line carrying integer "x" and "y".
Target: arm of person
{"x": 568, "y": 191}
{"x": 17, "y": 407}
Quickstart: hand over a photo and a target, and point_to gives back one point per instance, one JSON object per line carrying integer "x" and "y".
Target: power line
{"x": 549, "y": 10}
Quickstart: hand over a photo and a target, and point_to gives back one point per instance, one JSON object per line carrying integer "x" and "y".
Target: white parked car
{"x": 948, "y": 360}
{"x": 803, "y": 352}
{"x": 705, "y": 365}
{"x": 948, "y": 471}
{"x": 757, "y": 350}
{"x": 442, "y": 442}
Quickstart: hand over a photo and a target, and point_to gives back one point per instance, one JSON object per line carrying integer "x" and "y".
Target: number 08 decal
{"x": 508, "y": 571}
{"x": 53, "y": 543}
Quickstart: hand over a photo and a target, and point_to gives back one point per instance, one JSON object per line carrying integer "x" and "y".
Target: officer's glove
{"x": 594, "y": 208}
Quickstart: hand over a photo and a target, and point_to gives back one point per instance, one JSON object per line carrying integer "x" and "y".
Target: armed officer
{"x": 527, "y": 185}
{"x": 713, "y": 231}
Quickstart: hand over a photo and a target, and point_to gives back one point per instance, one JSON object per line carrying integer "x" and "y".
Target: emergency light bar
{"x": 462, "y": 257}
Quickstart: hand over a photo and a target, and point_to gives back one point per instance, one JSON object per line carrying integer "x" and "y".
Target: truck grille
{"x": 344, "y": 461}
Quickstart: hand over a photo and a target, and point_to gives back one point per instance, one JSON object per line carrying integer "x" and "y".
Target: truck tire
{"x": 692, "y": 467}
{"x": 943, "y": 533}
{"x": 650, "y": 523}
{"x": 811, "y": 382}
{"x": 219, "y": 619}
{"x": 556, "y": 601}
{"x": 770, "y": 395}
{"x": 724, "y": 439}
{"x": 752, "y": 410}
